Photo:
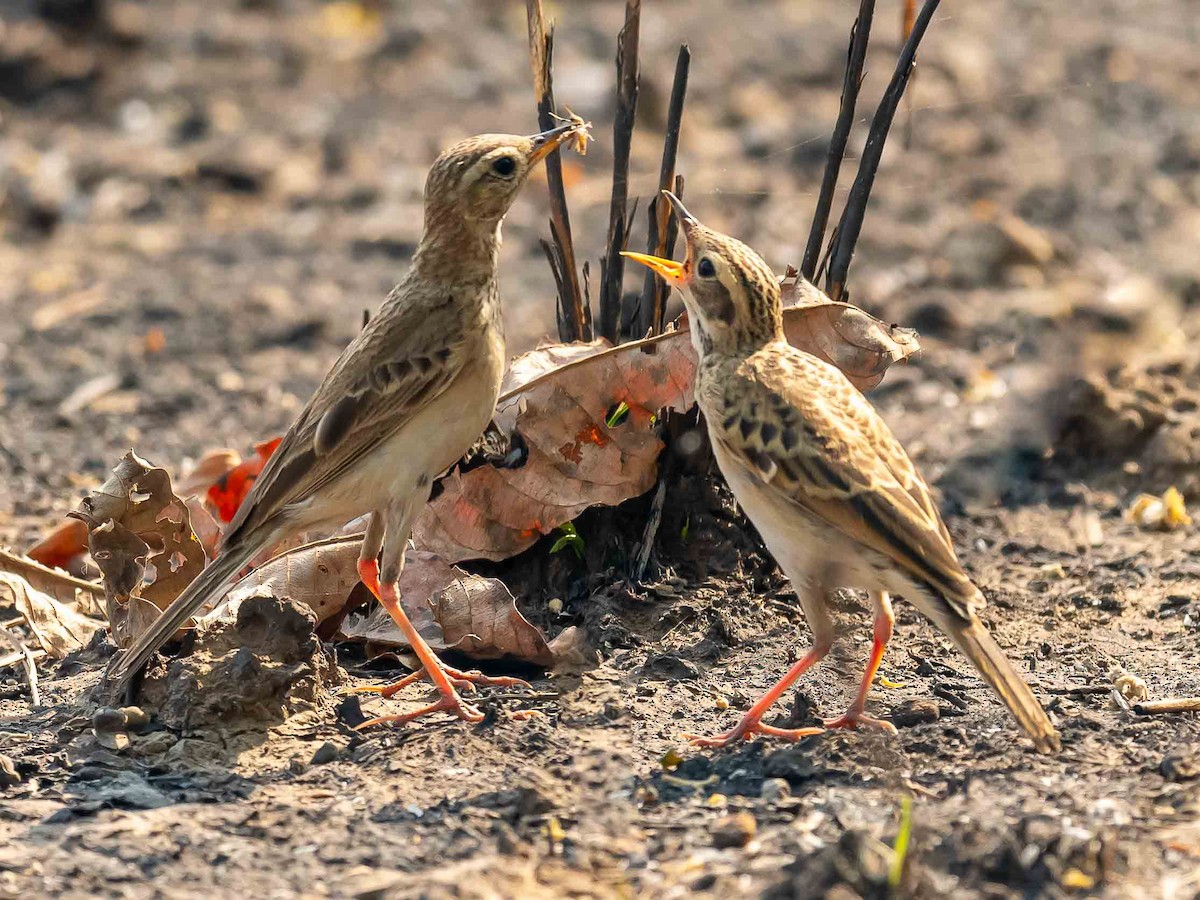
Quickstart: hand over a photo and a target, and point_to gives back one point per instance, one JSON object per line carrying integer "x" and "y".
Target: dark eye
{"x": 504, "y": 166}
{"x": 706, "y": 269}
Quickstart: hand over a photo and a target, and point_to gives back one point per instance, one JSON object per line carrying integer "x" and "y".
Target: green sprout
{"x": 686, "y": 529}
{"x": 619, "y": 414}
{"x": 569, "y": 537}
{"x": 900, "y": 850}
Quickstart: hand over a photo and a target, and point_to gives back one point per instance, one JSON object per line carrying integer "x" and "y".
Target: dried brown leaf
{"x": 210, "y": 468}
{"x": 58, "y": 627}
{"x": 856, "y": 342}
{"x": 140, "y": 535}
{"x": 559, "y": 399}
{"x": 54, "y": 605}
{"x": 449, "y": 607}
{"x": 84, "y": 596}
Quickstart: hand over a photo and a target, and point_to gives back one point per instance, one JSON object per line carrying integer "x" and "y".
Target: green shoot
{"x": 619, "y": 414}
{"x": 900, "y": 850}
{"x": 569, "y": 538}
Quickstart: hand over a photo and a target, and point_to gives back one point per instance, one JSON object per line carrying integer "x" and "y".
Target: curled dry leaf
{"x": 561, "y": 400}
{"x": 856, "y": 342}
{"x": 449, "y": 607}
{"x": 476, "y": 616}
{"x": 54, "y": 605}
{"x": 140, "y": 535}
{"x": 86, "y": 597}
{"x": 206, "y": 529}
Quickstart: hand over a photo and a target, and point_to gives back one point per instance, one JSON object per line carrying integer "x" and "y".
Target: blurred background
{"x": 198, "y": 200}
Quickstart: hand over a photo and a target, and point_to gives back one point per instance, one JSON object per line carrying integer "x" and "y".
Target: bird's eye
{"x": 706, "y": 269}
{"x": 504, "y": 166}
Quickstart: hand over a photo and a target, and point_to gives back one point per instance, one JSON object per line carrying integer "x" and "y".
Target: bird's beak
{"x": 671, "y": 271}
{"x": 686, "y": 219}
{"x": 548, "y": 141}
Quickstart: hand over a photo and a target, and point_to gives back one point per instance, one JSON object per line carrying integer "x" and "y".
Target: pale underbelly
{"x": 809, "y": 551}
{"x": 401, "y": 469}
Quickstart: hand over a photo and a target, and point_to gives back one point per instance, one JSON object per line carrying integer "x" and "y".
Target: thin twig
{"x": 856, "y": 57}
{"x": 655, "y": 291}
{"x": 575, "y": 318}
{"x": 850, "y": 225}
{"x": 651, "y": 530}
{"x": 17, "y": 656}
{"x": 29, "y": 659}
{"x": 1083, "y": 690}
{"x": 612, "y": 264}
{"x": 1173, "y": 705}
{"x": 908, "y": 16}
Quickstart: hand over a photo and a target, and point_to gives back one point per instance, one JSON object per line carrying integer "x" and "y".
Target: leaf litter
{"x": 561, "y": 401}
{"x": 584, "y": 416}
{"x": 140, "y": 535}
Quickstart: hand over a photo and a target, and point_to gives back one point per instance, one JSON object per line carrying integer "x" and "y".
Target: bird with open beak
{"x": 405, "y": 400}
{"x": 831, "y": 491}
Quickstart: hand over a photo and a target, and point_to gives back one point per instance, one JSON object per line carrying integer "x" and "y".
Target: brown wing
{"x": 797, "y": 423}
{"x": 400, "y": 362}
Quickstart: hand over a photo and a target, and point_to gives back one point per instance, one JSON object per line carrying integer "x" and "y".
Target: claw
{"x": 451, "y": 704}
{"x": 854, "y": 720}
{"x": 745, "y": 729}
{"x": 467, "y": 682}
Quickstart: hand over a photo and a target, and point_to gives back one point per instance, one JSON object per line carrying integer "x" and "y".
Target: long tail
{"x": 215, "y": 578}
{"x": 993, "y": 665}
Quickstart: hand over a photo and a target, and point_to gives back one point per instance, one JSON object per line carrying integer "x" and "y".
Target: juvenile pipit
{"x": 404, "y": 400}
{"x": 830, "y": 489}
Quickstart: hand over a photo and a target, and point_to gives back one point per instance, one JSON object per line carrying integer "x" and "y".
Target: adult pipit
{"x": 833, "y": 494}
{"x": 404, "y": 400}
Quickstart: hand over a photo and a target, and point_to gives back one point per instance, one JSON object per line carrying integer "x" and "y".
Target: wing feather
{"x": 796, "y": 422}
{"x": 397, "y": 364}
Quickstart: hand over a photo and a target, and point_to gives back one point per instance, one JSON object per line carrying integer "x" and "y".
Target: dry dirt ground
{"x": 200, "y": 199}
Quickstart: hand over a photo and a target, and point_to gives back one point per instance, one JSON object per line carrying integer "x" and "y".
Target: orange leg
{"x": 450, "y": 701}
{"x": 751, "y": 722}
{"x": 854, "y": 716}
{"x": 368, "y": 572}
{"x": 463, "y": 681}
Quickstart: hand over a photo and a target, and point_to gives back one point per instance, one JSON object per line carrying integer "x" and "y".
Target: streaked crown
{"x": 731, "y": 294}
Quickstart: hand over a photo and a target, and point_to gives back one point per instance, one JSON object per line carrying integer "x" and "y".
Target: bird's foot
{"x": 852, "y": 719}
{"x": 750, "y": 725}
{"x": 467, "y": 682}
{"x": 451, "y": 703}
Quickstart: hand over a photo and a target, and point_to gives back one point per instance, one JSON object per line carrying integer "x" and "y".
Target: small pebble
{"x": 736, "y": 830}
{"x": 113, "y": 740}
{"x": 136, "y": 718}
{"x": 297, "y": 766}
{"x": 775, "y": 789}
{"x": 154, "y": 744}
{"x": 914, "y": 712}
{"x": 107, "y": 720}
{"x": 326, "y": 753}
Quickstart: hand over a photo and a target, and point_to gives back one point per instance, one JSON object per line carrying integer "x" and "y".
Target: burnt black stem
{"x": 856, "y": 57}
{"x": 655, "y": 290}
{"x": 574, "y": 315}
{"x": 612, "y": 264}
{"x": 850, "y": 225}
